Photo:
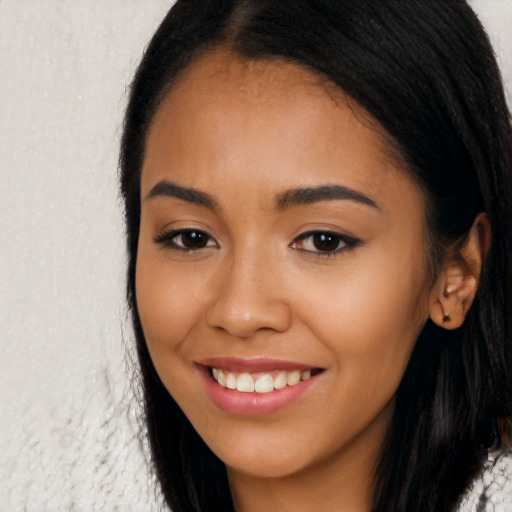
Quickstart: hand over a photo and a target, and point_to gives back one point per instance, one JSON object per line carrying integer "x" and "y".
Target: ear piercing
{"x": 446, "y": 318}
{"x": 447, "y": 292}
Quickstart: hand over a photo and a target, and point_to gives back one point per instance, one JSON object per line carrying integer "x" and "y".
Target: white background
{"x": 68, "y": 435}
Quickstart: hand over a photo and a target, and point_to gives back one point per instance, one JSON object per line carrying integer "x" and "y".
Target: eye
{"x": 324, "y": 242}
{"x": 186, "y": 240}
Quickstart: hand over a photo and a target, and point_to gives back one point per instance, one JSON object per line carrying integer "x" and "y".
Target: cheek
{"x": 168, "y": 303}
{"x": 370, "y": 315}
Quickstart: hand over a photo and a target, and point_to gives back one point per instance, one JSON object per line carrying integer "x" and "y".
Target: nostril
{"x": 243, "y": 320}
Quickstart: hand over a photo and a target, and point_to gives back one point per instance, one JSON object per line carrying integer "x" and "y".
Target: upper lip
{"x": 253, "y": 365}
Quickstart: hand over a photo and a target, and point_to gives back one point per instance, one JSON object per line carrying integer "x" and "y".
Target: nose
{"x": 249, "y": 298}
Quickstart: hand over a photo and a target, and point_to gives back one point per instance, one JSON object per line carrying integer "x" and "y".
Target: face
{"x": 280, "y": 276}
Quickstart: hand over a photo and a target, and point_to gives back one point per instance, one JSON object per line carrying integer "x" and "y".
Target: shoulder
{"x": 492, "y": 489}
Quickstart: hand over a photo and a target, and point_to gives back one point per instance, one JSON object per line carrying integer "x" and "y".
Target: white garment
{"x": 493, "y": 487}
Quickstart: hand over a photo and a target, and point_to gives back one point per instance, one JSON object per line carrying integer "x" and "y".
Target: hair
{"x": 425, "y": 70}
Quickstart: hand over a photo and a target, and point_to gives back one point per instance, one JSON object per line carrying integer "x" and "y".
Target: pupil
{"x": 325, "y": 242}
{"x": 194, "y": 239}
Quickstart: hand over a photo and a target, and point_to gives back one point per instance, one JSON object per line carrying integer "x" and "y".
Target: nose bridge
{"x": 249, "y": 297}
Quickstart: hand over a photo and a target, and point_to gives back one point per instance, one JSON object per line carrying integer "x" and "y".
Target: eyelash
{"x": 168, "y": 240}
{"x": 347, "y": 243}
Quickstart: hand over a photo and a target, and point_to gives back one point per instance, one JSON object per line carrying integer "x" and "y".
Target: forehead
{"x": 269, "y": 79}
{"x": 225, "y": 79}
{"x": 273, "y": 112}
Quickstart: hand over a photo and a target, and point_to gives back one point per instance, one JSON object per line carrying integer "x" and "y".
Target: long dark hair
{"x": 425, "y": 70}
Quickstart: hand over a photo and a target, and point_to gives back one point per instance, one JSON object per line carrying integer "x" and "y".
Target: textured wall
{"x": 69, "y": 437}
{"x": 68, "y": 434}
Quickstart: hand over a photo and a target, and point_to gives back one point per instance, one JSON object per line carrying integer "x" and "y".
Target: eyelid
{"x": 345, "y": 242}
{"x": 166, "y": 239}
{"x": 348, "y": 242}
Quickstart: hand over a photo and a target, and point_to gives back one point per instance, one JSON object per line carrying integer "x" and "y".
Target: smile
{"x": 258, "y": 386}
{"x": 260, "y": 382}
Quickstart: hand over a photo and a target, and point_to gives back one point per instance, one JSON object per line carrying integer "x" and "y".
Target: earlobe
{"x": 452, "y": 299}
{"x": 456, "y": 286}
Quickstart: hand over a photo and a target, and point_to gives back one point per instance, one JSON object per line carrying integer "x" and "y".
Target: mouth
{"x": 256, "y": 386}
{"x": 260, "y": 382}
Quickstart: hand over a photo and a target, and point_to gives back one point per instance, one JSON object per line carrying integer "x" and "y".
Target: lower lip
{"x": 237, "y": 402}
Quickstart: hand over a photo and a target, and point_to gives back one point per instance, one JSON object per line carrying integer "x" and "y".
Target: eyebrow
{"x": 191, "y": 195}
{"x": 285, "y": 200}
{"x": 303, "y": 196}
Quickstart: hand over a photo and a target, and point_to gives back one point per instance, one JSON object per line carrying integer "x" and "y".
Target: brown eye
{"x": 325, "y": 242}
{"x": 192, "y": 239}
{"x": 186, "y": 240}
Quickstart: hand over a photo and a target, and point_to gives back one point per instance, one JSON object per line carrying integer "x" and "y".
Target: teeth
{"x": 293, "y": 378}
{"x": 280, "y": 381}
{"x": 260, "y": 383}
{"x": 244, "y": 383}
{"x": 230, "y": 381}
{"x": 264, "y": 384}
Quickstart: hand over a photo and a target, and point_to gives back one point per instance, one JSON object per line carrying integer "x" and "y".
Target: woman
{"x": 318, "y": 212}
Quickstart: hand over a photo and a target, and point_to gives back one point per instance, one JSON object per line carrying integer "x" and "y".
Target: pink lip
{"x": 258, "y": 364}
{"x": 235, "y": 402}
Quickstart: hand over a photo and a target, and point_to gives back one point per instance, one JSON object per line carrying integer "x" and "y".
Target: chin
{"x": 261, "y": 467}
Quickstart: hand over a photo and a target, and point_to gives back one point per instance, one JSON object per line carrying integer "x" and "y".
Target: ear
{"x": 457, "y": 283}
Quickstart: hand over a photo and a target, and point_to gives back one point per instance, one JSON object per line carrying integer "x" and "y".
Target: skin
{"x": 245, "y": 133}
